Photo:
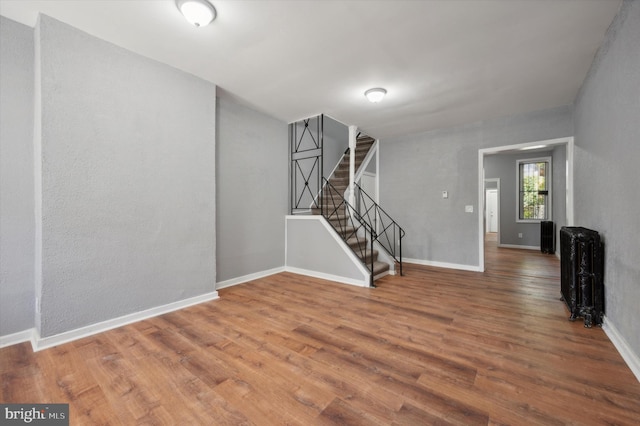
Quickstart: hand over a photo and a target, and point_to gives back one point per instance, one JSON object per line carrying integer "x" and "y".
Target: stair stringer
{"x": 314, "y": 248}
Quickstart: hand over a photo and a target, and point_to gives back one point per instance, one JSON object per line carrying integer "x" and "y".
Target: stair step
{"x": 335, "y": 181}
{"x": 330, "y": 210}
{"x": 366, "y": 256}
{"x": 344, "y": 165}
{"x": 357, "y": 243}
{"x": 359, "y": 157}
{"x": 345, "y": 230}
{"x": 329, "y": 198}
{"x": 380, "y": 267}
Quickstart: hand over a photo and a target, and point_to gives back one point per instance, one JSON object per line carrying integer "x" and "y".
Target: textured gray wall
{"x": 128, "y": 181}
{"x": 252, "y": 192}
{"x": 607, "y": 154}
{"x": 17, "y": 223}
{"x": 415, "y": 169}
{"x": 504, "y": 167}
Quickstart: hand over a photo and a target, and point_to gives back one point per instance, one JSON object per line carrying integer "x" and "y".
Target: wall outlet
{"x": 445, "y": 194}
{"x": 520, "y": 235}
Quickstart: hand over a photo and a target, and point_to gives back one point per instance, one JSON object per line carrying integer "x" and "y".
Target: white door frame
{"x": 568, "y": 142}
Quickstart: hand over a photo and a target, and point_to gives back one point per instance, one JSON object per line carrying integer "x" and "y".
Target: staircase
{"x": 334, "y": 209}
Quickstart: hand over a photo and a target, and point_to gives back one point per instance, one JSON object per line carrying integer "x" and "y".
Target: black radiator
{"x": 581, "y": 267}
{"x": 547, "y": 236}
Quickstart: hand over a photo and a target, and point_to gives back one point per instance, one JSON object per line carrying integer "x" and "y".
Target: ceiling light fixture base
{"x": 199, "y": 13}
{"x": 376, "y": 94}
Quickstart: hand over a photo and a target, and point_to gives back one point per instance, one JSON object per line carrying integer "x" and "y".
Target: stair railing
{"x": 347, "y": 222}
{"x": 386, "y": 230}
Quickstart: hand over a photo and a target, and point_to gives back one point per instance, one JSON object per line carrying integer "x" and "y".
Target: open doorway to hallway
{"x": 508, "y": 226}
{"x": 492, "y": 209}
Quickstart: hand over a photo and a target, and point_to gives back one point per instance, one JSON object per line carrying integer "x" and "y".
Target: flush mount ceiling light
{"x": 198, "y": 12}
{"x": 375, "y": 95}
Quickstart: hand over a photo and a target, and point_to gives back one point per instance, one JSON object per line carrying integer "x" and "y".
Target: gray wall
{"x": 504, "y": 167}
{"x": 17, "y": 223}
{"x": 415, "y": 169}
{"x": 606, "y": 166}
{"x": 128, "y": 181}
{"x": 252, "y": 192}
{"x": 324, "y": 255}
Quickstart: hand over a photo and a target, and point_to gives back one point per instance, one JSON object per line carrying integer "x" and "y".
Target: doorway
{"x": 567, "y": 142}
{"x": 492, "y": 206}
{"x": 491, "y": 211}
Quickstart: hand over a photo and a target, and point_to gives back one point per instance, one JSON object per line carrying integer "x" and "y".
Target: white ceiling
{"x": 443, "y": 62}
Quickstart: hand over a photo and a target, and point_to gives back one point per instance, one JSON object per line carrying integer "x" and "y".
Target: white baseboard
{"x": 250, "y": 277}
{"x": 518, "y": 246}
{"x": 329, "y": 277}
{"x": 461, "y": 267}
{"x": 19, "y": 337}
{"x": 631, "y": 358}
{"x": 39, "y": 343}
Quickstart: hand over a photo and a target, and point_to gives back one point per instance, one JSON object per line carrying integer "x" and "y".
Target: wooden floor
{"x": 436, "y": 346}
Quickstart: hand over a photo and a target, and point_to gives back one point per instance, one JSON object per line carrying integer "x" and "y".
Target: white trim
{"x": 328, "y": 277}
{"x": 631, "y": 358}
{"x": 40, "y": 343}
{"x": 481, "y": 208}
{"x": 249, "y": 277}
{"x": 352, "y": 163}
{"x": 377, "y": 196}
{"x": 569, "y": 182}
{"x": 518, "y": 246}
{"x": 567, "y": 141}
{"x": 447, "y": 265}
{"x": 19, "y": 337}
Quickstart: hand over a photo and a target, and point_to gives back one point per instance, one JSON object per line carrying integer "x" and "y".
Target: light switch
{"x": 445, "y": 194}
{"x": 468, "y": 209}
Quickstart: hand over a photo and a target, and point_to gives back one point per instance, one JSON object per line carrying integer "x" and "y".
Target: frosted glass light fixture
{"x": 375, "y": 95}
{"x": 198, "y": 12}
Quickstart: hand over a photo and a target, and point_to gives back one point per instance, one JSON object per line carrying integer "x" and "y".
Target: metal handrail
{"x": 387, "y": 231}
{"x": 348, "y": 223}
